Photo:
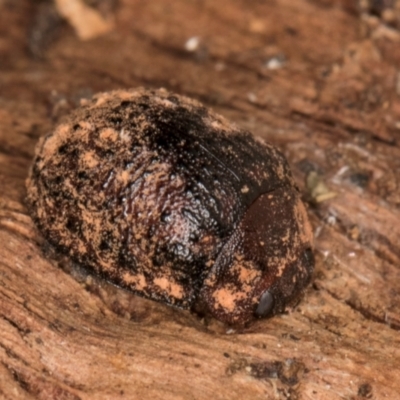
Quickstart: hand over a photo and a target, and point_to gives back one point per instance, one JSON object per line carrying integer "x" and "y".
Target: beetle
{"x": 162, "y": 196}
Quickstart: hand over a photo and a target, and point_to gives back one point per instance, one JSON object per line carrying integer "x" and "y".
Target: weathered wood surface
{"x": 333, "y": 105}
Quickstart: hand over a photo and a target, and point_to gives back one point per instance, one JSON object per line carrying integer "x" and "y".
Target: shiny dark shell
{"x": 160, "y": 195}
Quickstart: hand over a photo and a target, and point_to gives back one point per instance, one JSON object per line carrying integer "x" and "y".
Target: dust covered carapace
{"x": 160, "y": 195}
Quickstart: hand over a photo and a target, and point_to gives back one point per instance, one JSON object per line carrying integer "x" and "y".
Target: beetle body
{"x": 161, "y": 196}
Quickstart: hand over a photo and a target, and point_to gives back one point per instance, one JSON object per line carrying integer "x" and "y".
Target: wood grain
{"x": 333, "y": 106}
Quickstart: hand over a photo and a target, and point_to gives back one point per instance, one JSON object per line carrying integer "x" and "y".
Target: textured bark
{"x": 316, "y": 78}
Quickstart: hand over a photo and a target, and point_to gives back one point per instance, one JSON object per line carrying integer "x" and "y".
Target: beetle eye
{"x": 265, "y": 305}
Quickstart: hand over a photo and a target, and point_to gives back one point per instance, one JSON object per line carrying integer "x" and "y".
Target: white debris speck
{"x": 252, "y": 97}
{"x": 331, "y": 220}
{"x": 275, "y": 62}
{"x": 341, "y": 172}
{"x": 325, "y": 253}
{"x": 192, "y": 44}
{"x": 123, "y": 134}
{"x": 318, "y": 231}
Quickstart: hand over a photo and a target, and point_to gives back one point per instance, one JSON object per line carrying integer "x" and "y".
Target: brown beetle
{"x": 158, "y": 194}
